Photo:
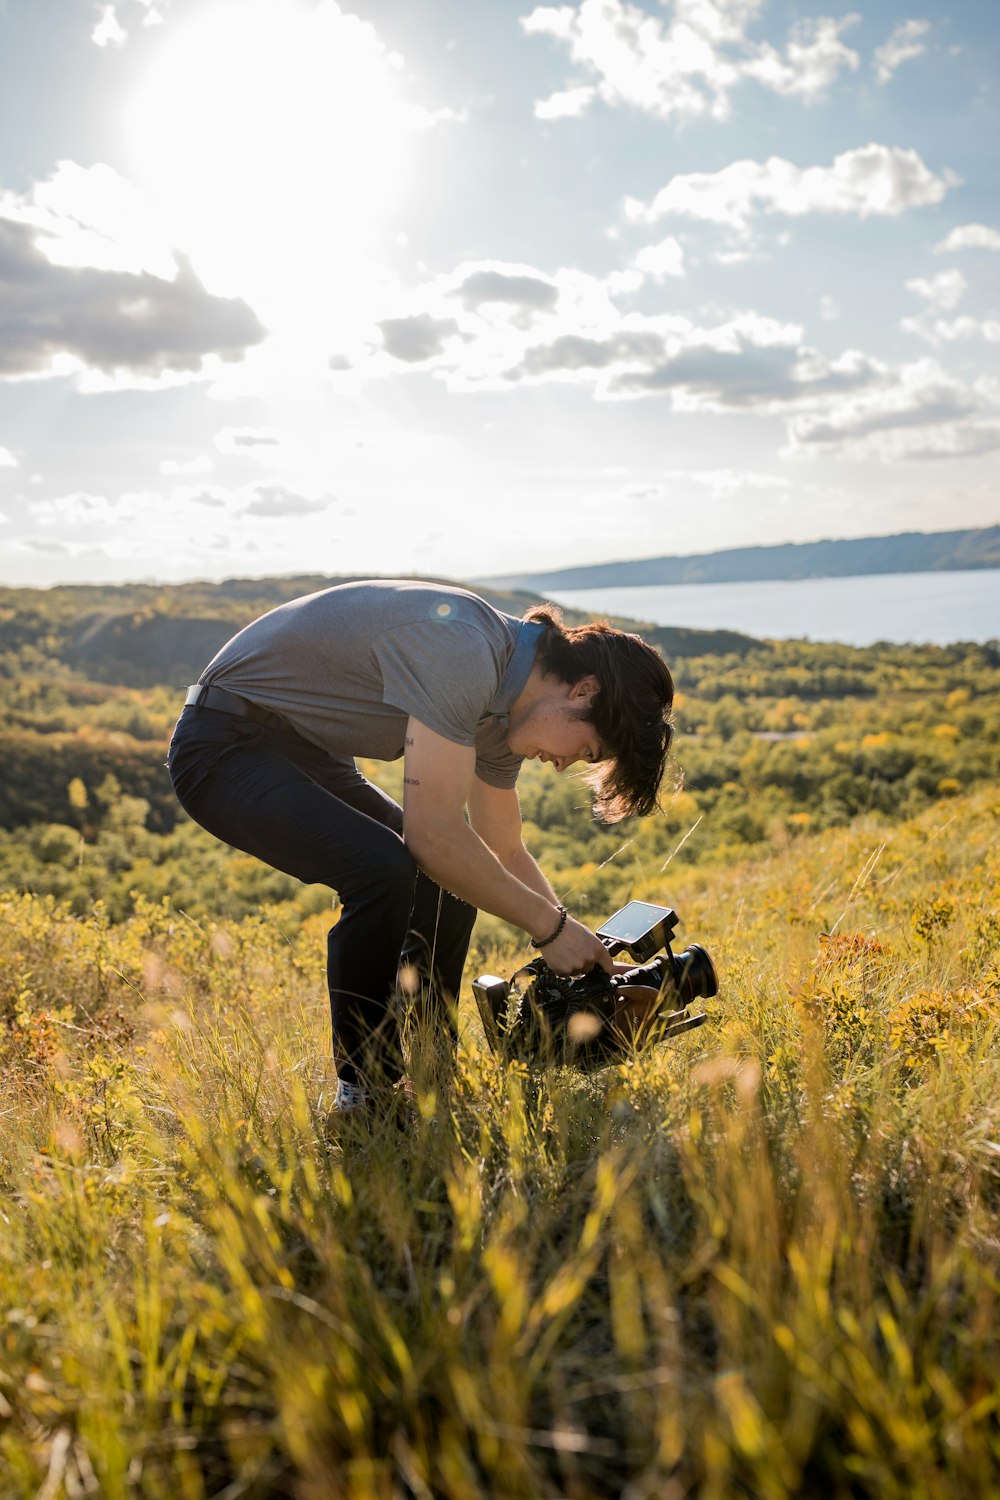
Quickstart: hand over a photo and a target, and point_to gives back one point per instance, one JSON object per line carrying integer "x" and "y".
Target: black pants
{"x": 273, "y": 794}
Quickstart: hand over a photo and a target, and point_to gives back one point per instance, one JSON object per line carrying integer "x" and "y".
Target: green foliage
{"x": 761, "y": 1261}
{"x": 772, "y": 738}
{"x": 759, "y": 769}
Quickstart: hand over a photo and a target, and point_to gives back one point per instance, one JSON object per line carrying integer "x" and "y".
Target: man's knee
{"x": 401, "y": 873}
{"x": 389, "y": 876}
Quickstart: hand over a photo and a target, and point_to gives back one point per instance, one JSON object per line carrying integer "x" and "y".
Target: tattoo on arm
{"x": 410, "y": 781}
{"x": 409, "y": 739}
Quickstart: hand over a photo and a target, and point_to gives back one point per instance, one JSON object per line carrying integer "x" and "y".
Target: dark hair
{"x": 631, "y": 713}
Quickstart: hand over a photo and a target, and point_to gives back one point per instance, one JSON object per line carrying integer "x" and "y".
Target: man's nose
{"x": 559, "y": 762}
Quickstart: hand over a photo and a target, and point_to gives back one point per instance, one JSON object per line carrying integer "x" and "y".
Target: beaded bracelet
{"x": 544, "y": 943}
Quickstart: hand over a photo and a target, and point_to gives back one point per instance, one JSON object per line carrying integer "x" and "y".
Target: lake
{"x": 898, "y": 607}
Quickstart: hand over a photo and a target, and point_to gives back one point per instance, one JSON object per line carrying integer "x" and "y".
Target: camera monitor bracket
{"x": 639, "y": 929}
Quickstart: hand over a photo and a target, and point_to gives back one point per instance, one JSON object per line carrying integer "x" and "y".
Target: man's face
{"x": 554, "y": 732}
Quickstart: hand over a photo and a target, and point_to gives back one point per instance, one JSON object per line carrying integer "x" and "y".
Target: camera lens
{"x": 694, "y": 974}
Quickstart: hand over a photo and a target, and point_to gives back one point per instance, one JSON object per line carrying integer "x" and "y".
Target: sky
{"x": 433, "y": 286}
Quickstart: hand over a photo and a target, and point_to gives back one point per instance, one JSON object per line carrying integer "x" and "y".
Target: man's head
{"x": 609, "y": 701}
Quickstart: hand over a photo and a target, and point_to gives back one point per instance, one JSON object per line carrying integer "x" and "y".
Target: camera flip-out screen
{"x": 640, "y": 927}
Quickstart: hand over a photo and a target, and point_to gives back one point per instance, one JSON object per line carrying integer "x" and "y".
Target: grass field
{"x": 759, "y": 1262}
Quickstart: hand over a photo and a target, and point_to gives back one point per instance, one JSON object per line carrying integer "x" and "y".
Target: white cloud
{"x": 248, "y": 442}
{"x": 744, "y": 363}
{"x": 258, "y": 500}
{"x": 108, "y": 29}
{"x": 938, "y": 331}
{"x": 945, "y": 290}
{"x": 566, "y": 328}
{"x": 274, "y": 500}
{"x": 417, "y": 117}
{"x": 122, "y": 324}
{"x": 82, "y": 507}
{"x": 569, "y": 104}
{"x": 7, "y": 459}
{"x": 212, "y": 496}
{"x": 417, "y": 338}
{"x": 201, "y": 465}
{"x": 969, "y": 237}
{"x": 721, "y": 483}
{"x": 732, "y": 481}
{"x": 903, "y": 44}
{"x": 829, "y": 308}
{"x": 917, "y": 411}
{"x": 498, "y": 282}
{"x": 812, "y": 59}
{"x": 752, "y": 364}
{"x": 491, "y": 302}
{"x": 868, "y": 180}
{"x": 943, "y": 293}
{"x": 664, "y": 259}
{"x": 643, "y": 492}
{"x": 89, "y": 283}
{"x": 623, "y": 282}
{"x": 44, "y": 544}
{"x": 734, "y": 255}
{"x": 689, "y": 66}
{"x": 94, "y": 217}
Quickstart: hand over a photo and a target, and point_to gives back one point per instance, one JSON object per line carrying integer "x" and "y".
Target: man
{"x": 263, "y": 757}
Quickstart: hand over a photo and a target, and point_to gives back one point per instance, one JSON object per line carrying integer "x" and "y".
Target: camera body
{"x": 591, "y": 1020}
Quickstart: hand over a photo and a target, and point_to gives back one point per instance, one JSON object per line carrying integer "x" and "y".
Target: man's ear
{"x": 584, "y": 692}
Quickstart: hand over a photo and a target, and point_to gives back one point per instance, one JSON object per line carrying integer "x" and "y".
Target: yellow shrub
{"x": 928, "y": 1021}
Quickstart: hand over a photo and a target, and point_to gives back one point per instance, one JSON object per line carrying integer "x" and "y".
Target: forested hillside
{"x": 905, "y": 552}
{"x": 139, "y": 635}
{"x": 772, "y": 739}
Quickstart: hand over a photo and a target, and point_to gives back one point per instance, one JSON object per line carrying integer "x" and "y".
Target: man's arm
{"x": 495, "y": 814}
{"x": 438, "y": 780}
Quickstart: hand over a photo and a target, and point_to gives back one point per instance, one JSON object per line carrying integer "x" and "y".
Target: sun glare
{"x": 272, "y": 136}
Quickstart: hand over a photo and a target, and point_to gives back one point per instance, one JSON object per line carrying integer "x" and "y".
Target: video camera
{"x": 589, "y": 1021}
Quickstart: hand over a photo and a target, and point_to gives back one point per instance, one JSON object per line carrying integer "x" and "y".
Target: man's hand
{"x": 576, "y": 950}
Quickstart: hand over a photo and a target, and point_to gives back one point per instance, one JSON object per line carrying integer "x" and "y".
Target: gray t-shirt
{"x": 347, "y": 667}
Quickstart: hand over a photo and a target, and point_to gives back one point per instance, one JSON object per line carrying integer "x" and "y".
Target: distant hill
{"x": 905, "y": 552}
{"x": 144, "y": 635}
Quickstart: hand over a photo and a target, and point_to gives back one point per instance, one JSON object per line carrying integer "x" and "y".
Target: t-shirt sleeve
{"x": 496, "y": 763}
{"x": 444, "y": 673}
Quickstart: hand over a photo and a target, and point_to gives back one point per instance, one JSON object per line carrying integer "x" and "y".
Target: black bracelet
{"x": 544, "y": 943}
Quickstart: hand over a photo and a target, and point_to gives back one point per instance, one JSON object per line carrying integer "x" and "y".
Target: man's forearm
{"x": 454, "y": 856}
{"x": 526, "y": 870}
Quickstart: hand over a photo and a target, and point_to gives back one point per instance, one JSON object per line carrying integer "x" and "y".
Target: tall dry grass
{"x": 760, "y": 1262}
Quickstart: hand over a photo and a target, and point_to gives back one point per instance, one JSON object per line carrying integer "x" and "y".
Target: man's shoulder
{"x": 419, "y": 598}
{"x": 405, "y": 602}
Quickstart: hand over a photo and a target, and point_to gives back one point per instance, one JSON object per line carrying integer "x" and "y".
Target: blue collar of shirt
{"x": 518, "y": 668}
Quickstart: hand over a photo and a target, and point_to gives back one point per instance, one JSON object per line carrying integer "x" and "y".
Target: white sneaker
{"x": 350, "y": 1096}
